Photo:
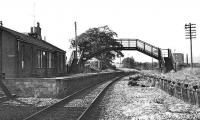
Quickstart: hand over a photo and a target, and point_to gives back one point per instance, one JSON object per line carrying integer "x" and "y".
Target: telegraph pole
{"x": 76, "y": 38}
{"x": 190, "y": 34}
{"x": 187, "y": 59}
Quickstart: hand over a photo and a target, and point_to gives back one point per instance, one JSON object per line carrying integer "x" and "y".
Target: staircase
{"x": 169, "y": 61}
{"x": 72, "y": 64}
{"x": 164, "y": 56}
{"x": 148, "y": 49}
{"x": 75, "y": 62}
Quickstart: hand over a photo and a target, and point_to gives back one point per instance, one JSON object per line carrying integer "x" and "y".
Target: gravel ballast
{"x": 123, "y": 102}
{"x": 73, "y": 109}
{"x": 22, "y": 107}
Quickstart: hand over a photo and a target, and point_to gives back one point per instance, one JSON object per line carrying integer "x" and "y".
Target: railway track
{"x": 75, "y": 106}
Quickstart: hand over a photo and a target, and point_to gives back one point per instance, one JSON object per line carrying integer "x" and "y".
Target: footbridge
{"x": 164, "y": 56}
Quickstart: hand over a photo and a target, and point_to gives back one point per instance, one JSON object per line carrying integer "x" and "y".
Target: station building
{"x": 27, "y": 55}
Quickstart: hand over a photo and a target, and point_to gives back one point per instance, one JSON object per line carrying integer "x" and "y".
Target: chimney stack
{"x": 36, "y": 31}
{"x": 31, "y": 29}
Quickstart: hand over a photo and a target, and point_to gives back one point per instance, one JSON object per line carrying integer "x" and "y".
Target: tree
{"x": 129, "y": 62}
{"x": 96, "y": 39}
{"x": 146, "y": 65}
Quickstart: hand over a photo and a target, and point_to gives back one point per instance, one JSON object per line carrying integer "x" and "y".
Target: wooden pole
{"x": 191, "y": 45}
{"x": 76, "y": 38}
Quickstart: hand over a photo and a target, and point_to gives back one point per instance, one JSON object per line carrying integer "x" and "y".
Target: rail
{"x": 86, "y": 113}
{"x": 42, "y": 113}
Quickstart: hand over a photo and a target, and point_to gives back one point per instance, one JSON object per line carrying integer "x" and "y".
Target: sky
{"x": 158, "y": 22}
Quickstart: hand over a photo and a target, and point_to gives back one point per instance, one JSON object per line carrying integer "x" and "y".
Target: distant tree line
{"x": 130, "y": 62}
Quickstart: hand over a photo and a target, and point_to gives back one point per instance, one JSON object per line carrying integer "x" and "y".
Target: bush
{"x": 181, "y": 66}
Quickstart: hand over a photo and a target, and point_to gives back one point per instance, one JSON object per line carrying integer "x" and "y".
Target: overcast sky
{"x": 158, "y": 22}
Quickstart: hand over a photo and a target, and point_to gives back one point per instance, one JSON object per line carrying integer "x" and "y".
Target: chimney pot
{"x": 1, "y": 23}
{"x": 38, "y": 24}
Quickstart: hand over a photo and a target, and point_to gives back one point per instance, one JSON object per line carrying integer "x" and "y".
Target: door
{"x": 26, "y": 60}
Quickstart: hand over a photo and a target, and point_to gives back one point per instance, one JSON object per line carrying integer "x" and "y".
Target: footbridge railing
{"x": 132, "y": 44}
{"x": 144, "y": 47}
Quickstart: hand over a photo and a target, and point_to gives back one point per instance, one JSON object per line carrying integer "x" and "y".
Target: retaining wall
{"x": 56, "y": 87}
{"x": 186, "y": 92}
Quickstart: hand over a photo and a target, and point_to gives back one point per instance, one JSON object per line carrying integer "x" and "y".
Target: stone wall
{"x": 55, "y": 87}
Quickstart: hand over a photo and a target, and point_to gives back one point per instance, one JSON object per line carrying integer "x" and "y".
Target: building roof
{"x": 31, "y": 40}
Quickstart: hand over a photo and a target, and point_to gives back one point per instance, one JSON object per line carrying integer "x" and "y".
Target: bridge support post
{"x": 160, "y": 64}
{"x": 160, "y": 58}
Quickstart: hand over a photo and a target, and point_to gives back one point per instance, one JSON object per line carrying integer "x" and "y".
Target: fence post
{"x": 160, "y": 83}
{"x": 169, "y": 83}
{"x": 153, "y": 82}
{"x": 172, "y": 88}
{"x": 185, "y": 92}
{"x": 191, "y": 95}
{"x": 178, "y": 90}
{"x": 157, "y": 83}
{"x": 195, "y": 88}
{"x": 165, "y": 85}
{"x": 198, "y": 96}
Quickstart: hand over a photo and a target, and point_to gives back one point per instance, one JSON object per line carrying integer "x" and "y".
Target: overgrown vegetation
{"x": 130, "y": 62}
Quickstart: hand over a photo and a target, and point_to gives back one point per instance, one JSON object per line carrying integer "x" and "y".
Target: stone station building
{"x": 27, "y": 55}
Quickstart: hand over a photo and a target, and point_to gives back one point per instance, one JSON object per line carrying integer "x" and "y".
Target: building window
{"x": 22, "y": 56}
{"x": 53, "y": 60}
{"x": 43, "y": 59}
{"x": 50, "y": 60}
{"x": 40, "y": 59}
{"x": 61, "y": 62}
{"x": 18, "y": 45}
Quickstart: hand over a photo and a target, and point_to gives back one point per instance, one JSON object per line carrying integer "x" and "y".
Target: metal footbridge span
{"x": 164, "y": 56}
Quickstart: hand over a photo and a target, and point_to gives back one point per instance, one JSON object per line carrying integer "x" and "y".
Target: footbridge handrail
{"x": 136, "y": 40}
{"x": 129, "y": 44}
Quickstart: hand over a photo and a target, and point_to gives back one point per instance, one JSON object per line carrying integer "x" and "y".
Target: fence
{"x": 186, "y": 92}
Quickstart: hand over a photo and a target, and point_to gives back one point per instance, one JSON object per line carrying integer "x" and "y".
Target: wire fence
{"x": 186, "y": 92}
